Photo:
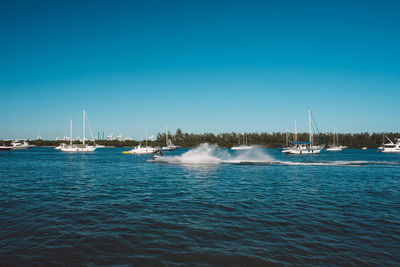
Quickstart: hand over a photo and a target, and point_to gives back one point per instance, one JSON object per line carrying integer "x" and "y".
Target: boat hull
{"x": 78, "y": 149}
{"x": 334, "y": 149}
{"x": 303, "y": 151}
{"x": 241, "y": 148}
{"x": 390, "y": 150}
{"x": 21, "y": 147}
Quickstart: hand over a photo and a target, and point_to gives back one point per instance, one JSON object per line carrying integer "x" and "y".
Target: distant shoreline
{"x": 267, "y": 140}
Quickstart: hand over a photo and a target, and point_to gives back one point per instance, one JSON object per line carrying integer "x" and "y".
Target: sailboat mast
{"x": 334, "y": 133}
{"x": 295, "y": 131}
{"x": 287, "y": 137}
{"x": 83, "y": 132}
{"x": 309, "y": 125}
{"x": 239, "y": 136}
{"x": 70, "y": 132}
{"x": 146, "y": 137}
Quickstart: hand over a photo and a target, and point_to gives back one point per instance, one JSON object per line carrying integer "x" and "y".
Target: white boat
{"x": 335, "y": 146}
{"x": 142, "y": 149}
{"x": 391, "y": 147}
{"x": 78, "y": 147}
{"x": 18, "y": 145}
{"x": 169, "y": 145}
{"x": 304, "y": 147}
{"x": 243, "y": 146}
{"x": 59, "y": 147}
{"x": 5, "y": 148}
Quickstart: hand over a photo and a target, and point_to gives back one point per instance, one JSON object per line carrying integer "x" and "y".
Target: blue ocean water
{"x": 199, "y": 207}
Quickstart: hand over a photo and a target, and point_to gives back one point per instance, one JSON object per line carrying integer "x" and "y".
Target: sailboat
{"x": 244, "y": 146}
{"x": 169, "y": 145}
{"x": 304, "y": 147}
{"x": 77, "y": 147}
{"x": 139, "y": 149}
{"x": 335, "y": 146}
{"x": 287, "y": 148}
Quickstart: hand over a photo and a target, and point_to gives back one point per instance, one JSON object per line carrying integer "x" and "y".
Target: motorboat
{"x": 18, "y": 145}
{"x": 139, "y": 149}
{"x": 391, "y": 147}
{"x": 78, "y": 147}
{"x": 304, "y": 147}
{"x": 5, "y": 148}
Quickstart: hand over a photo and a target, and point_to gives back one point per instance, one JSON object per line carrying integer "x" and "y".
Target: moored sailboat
{"x": 304, "y": 147}
{"x": 335, "y": 145}
{"x": 77, "y": 147}
{"x": 243, "y": 146}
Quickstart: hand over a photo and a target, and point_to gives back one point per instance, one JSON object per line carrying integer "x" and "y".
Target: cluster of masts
{"x": 84, "y": 147}
{"x": 298, "y": 147}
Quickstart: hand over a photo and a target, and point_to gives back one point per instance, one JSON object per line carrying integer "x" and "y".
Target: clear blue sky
{"x": 202, "y": 66}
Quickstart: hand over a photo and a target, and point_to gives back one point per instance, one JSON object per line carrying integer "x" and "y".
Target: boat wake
{"x": 211, "y": 155}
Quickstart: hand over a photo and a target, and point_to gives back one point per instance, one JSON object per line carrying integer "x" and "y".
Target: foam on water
{"x": 210, "y": 154}
{"x": 203, "y": 154}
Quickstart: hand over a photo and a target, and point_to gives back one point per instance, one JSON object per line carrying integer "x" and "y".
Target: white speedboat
{"x": 142, "y": 150}
{"x": 391, "y": 147}
{"x": 304, "y": 147}
{"x": 18, "y": 145}
{"x": 5, "y": 148}
{"x": 78, "y": 147}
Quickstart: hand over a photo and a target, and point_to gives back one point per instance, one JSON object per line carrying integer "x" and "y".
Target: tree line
{"x": 268, "y": 140}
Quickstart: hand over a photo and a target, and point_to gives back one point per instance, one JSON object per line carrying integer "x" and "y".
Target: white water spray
{"x": 207, "y": 154}
{"x": 211, "y": 154}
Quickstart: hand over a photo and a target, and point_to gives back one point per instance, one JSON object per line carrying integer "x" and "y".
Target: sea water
{"x": 204, "y": 206}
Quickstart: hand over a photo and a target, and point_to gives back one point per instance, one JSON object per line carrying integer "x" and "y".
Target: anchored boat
{"x": 304, "y": 147}
{"x": 391, "y": 147}
{"x": 78, "y": 147}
